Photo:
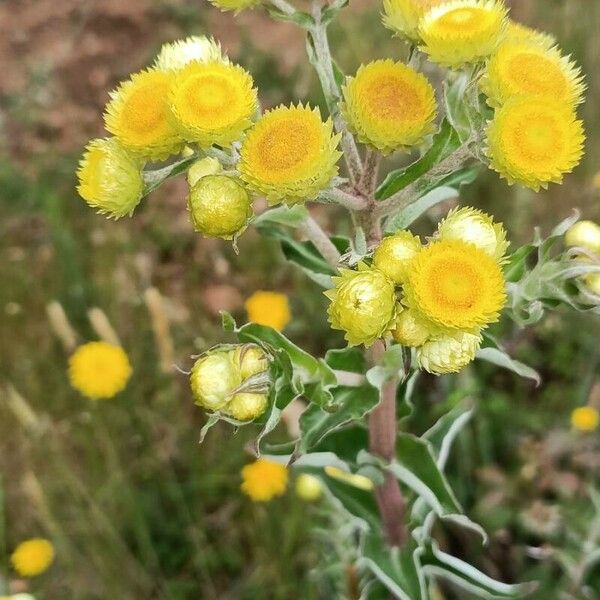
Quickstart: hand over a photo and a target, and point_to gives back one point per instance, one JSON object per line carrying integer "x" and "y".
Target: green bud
{"x": 449, "y": 353}
{"x": 394, "y": 255}
{"x": 409, "y": 330}
{"x": 246, "y": 406}
{"x": 201, "y": 168}
{"x": 213, "y": 379}
{"x": 585, "y": 234}
{"x": 252, "y": 360}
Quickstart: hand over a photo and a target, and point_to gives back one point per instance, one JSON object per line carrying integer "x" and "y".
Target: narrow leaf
{"x": 501, "y": 359}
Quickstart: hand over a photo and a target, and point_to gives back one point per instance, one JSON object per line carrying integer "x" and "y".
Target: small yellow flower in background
{"x": 534, "y": 142}
{"x": 448, "y": 353}
{"x": 32, "y": 557}
{"x": 517, "y": 32}
{"x": 358, "y": 481}
{"x": 308, "y": 487}
{"x": 268, "y": 308}
{"x": 109, "y": 178}
{"x": 138, "y": 115}
{"x": 176, "y": 55}
{"x": 389, "y": 105}
{"x": 585, "y": 234}
{"x": 403, "y": 16}
{"x": 409, "y": 330}
{"x": 99, "y": 370}
{"x": 463, "y": 31}
{"x": 263, "y": 479}
{"x": 212, "y": 102}
{"x": 395, "y": 253}
{"x": 290, "y": 154}
{"x": 235, "y": 5}
{"x": 585, "y": 418}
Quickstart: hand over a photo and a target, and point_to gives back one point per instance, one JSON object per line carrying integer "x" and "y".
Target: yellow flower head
{"x": 534, "y": 142}
{"x": 455, "y": 285}
{"x": 389, "y": 105}
{"x": 585, "y": 234}
{"x": 212, "y": 102}
{"x": 476, "y": 227}
{"x": 448, "y": 353}
{"x": 363, "y": 305}
{"x": 33, "y": 557}
{"x": 99, "y": 370}
{"x": 308, "y": 487}
{"x": 138, "y": 115}
{"x": 516, "y": 32}
{"x": 176, "y": 55}
{"x": 246, "y": 406}
{"x": 409, "y": 330}
{"x": 290, "y": 154}
{"x": 585, "y": 418}
{"x": 235, "y": 5}
{"x": 403, "y": 16}
{"x": 395, "y": 253}
{"x": 463, "y": 31}
{"x": 214, "y": 378}
{"x": 530, "y": 69}
{"x": 110, "y": 179}
{"x": 269, "y": 308}
{"x": 262, "y": 480}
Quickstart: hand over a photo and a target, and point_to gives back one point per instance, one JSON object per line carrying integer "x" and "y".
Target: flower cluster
{"x": 232, "y": 381}
{"x": 436, "y": 297}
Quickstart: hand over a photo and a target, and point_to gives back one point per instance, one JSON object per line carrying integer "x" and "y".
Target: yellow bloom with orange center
{"x": 138, "y": 115}
{"x": 263, "y": 479}
{"x": 534, "y": 142}
{"x": 403, "y": 16}
{"x": 453, "y": 285}
{"x": 269, "y": 308}
{"x": 389, "y": 105}
{"x": 212, "y": 102}
{"x": 585, "y": 418}
{"x": 463, "y": 31}
{"x": 32, "y": 557}
{"x": 290, "y": 154}
{"x": 99, "y": 370}
{"x": 530, "y": 69}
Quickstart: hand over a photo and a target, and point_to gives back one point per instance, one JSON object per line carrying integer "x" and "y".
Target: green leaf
{"x": 346, "y": 442}
{"x": 332, "y": 10}
{"x": 501, "y": 359}
{"x": 347, "y": 359}
{"x": 153, "y": 179}
{"x": 212, "y": 420}
{"x": 292, "y": 216}
{"x": 358, "y": 502}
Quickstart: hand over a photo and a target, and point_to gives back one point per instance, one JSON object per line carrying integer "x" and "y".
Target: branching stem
{"x": 312, "y": 230}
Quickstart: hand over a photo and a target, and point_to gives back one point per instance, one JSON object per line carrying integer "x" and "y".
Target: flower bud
{"x": 176, "y": 55}
{"x": 219, "y": 206}
{"x": 252, "y": 360}
{"x": 213, "y": 379}
{"x": 585, "y": 234}
{"x": 308, "y": 487}
{"x": 475, "y": 227}
{"x": 585, "y": 418}
{"x": 245, "y": 406}
{"x": 363, "y": 304}
{"x": 201, "y": 168}
{"x": 592, "y": 281}
{"x": 110, "y": 179}
{"x": 395, "y": 253}
{"x": 448, "y": 354}
{"x": 409, "y": 330}
{"x": 357, "y": 481}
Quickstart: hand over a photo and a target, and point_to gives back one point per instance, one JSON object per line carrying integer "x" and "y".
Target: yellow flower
{"x": 138, "y": 115}
{"x": 455, "y": 285}
{"x": 290, "y": 154}
{"x": 463, "y": 31}
{"x": 263, "y": 480}
{"x": 99, "y": 370}
{"x": 212, "y": 102}
{"x": 517, "y": 32}
{"x": 109, "y": 178}
{"x": 389, "y": 105}
{"x": 534, "y": 142}
{"x": 530, "y": 69}
{"x": 395, "y": 253}
{"x": 235, "y": 5}
{"x": 32, "y": 557}
{"x": 201, "y": 168}
{"x": 213, "y": 379}
{"x": 358, "y": 481}
{"x": 409, "y": 330}
{"x": 176, "y": 55}
{"x": 308, "y": 487}
{"x": 363, "y": 305}
{"x": 476, "y": 227}
{"x": 246, "y": 406}
{"x": 585, "y": 418}
{"x": 449, "y": 353}
{"x": 585, "y": 234}
{"x": 403, "y": 16}
{"x": 269, "y": 308}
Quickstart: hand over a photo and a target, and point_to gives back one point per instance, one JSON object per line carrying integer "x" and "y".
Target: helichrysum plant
{"x": 474, "y": 90}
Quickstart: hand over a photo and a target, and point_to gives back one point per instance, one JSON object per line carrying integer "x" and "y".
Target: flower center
{"x": 455, "y": 283}
{"x": 464, "y": 20}
{"x": 390, "y": 98}
{"x": 535, "y": 74}
{"x": 535, "y": 137}
{"x": 211, "y": 99}
{"x": 145, "y": 109}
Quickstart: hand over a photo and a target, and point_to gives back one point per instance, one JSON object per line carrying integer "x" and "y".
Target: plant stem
{"x": 312, "y": 230}
{"x": 283, "y": 6}
{"x": 349, "y": 201}
{"x": 368, "y": 180}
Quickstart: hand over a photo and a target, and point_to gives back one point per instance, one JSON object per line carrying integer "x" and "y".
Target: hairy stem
{"x": 368, "y": 180}
{"x": 312, "y": 230}
{"x": 284, "y": 6}
{"x": 349, "y": 201}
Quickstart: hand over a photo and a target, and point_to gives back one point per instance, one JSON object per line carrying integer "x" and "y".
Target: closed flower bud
{"x": 252, "y": 360}
{"x": 219, "y": 206}
{"x": 308, "y": 487}
{"x": 448, "y": 354}
{"x": 213, "y": 379}
{"x": 592, "y": 281}
{"x": 363, "y": 304}
{"x": 394, "y": 254}
{"x": 201, "y": 168}
{"x": 585, "y": 234}
{"x": 245, "y": 406}
{"x": 176, "y": 55}
{"x": 475, "y": 227}
{"x": 410, "y": 330}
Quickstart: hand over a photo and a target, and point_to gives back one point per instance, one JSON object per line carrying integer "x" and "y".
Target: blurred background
{"x": 135, "y": 506}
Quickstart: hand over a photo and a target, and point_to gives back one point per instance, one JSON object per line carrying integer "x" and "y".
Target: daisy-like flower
{"x": 517, "y": 32}
{"x": 212, "y": 102}
{"x": 290, "y": 154}
{"x": 268, "y": 308}
{"x": 138, "y": 115}
{"x": 530, "y": 69}
{"x": 448, "y": 353}
{"x": 235, "y": 5}
{"x": 463, "y": 31}
{"x": 585, "y": 418}
{"x": 363, "y": 304}
{"x": 175, "y": 55}
{"x": 110, "y": 179}
{"x": 389, "y": 105}
{"x": 403, "y": 16}
{"x": 454, "y": 285}
{"x": 263, "y": 479}
{"x": 32, "y": 557}
{"x": 534, "y": 142}
{"x": 99, "y": 370}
